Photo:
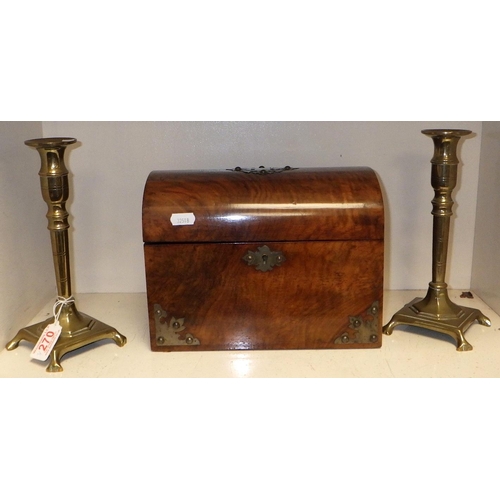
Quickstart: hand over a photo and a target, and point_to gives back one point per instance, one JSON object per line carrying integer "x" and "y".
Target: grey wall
{"x": 486, "y": 261}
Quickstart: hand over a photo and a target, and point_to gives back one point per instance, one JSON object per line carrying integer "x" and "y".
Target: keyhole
{"x": 264, "y": 259}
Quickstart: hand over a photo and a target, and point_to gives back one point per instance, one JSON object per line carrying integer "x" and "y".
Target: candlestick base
{"x": 78, "y": 330}
{"x": 438, "y": 313}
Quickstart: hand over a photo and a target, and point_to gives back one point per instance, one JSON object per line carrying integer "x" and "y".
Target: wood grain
{"x": 297, "y": 205}
{"x": 305, "y": 303}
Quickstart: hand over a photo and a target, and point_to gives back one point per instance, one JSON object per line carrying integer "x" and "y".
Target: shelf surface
{"x": 408, "y": 352}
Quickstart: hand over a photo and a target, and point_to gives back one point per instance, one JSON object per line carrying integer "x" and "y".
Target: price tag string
{"x": 61, "y": 301}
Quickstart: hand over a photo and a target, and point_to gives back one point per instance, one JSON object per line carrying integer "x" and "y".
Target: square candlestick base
{"x": 91, "y": 331}
{"x": 453, "y": 326}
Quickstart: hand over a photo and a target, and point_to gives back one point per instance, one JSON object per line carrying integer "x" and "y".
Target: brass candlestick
{"x": 78, "y": 329}
{"x": 436, "y": 311}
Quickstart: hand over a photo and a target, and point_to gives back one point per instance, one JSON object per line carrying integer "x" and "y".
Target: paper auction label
{"x": 46, "y": 342}
{"x": 186, "y": 219}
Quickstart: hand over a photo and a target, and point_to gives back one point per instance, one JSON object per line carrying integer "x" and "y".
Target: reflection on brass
{"x": 363, "y": 329}
{"x": 436, "y": 311}
{"x": 168, "y": 331}
{"x": 78, "y": 329}
{"x": 262, "y": 170}
{"x": 264, "y": 259}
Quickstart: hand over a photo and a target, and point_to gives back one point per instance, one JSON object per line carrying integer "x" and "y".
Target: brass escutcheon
{"x": 264, "y": 259}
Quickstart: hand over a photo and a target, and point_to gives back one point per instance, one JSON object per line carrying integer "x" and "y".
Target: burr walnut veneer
{"x": 287, "y": 258}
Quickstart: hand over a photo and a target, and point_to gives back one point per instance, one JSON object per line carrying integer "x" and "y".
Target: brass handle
{"x": 264, "y": 259}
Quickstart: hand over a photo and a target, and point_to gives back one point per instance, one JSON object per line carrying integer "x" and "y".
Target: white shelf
{"x": 405, "y": 353}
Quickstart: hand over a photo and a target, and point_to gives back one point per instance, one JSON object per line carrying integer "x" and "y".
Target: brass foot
{"x": 12, "y": 344}
{"x": 387, "y": 329}
{"x": 92, "y": 331}
{"x": 463, "y": 345}
{"x": 25, "y": 334}
{"x": 54, "y": 365}
{"x": 483, "y": 320}
{"x": 452, "y": 326}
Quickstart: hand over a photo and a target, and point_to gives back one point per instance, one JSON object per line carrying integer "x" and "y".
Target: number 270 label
{"x": 46, "y": 342}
